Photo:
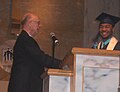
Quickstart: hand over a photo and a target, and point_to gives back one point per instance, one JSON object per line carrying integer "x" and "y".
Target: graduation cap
{"x": 107, "y": 18}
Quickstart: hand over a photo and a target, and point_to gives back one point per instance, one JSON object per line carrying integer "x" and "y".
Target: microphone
{"x": 54, "y": 38}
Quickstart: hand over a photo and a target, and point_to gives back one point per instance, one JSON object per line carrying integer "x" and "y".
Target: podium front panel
{"x": 96, "y": 73}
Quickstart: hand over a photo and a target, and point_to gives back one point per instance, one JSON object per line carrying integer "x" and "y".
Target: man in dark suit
{"x": 105, "y": 38}
{"x": 28, "y": 59}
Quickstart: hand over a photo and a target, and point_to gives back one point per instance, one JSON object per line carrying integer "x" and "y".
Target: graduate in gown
{"x": 105, "y": 38}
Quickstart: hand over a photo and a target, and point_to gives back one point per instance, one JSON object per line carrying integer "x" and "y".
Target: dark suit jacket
{"x": 28, "y": 65}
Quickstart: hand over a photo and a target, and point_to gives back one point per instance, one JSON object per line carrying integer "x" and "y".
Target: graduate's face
{"x": 106, "y": 30}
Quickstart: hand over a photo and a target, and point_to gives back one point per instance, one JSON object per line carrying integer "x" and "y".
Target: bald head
{"x": 26, "y": 18}
{"x": 30, "y": 23}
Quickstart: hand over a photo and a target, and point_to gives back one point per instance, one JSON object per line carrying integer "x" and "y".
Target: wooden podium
{"x": 90, "y": 70}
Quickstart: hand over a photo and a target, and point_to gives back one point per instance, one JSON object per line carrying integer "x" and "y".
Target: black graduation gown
{"x": 28, "y": 65}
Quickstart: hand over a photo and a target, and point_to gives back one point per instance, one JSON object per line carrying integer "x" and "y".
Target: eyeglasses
{"x": 36, "y": 21}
